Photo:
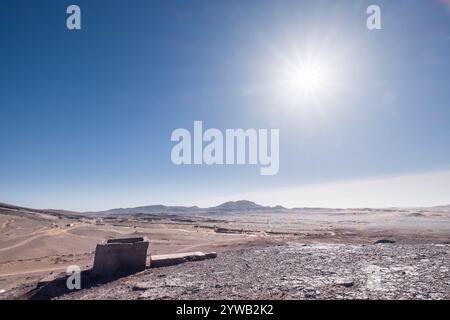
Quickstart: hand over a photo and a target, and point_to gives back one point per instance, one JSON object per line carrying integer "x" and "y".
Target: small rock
{"x": 141, "y": 286}
{"x": 384, "y": 241}
{"x": 138, "y": 288}
{"x": 346, "y": 284}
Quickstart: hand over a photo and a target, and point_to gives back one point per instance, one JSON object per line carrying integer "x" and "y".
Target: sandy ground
{"x": 34, "y": 244}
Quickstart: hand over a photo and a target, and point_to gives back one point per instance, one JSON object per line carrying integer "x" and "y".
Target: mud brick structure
{"x": 120, "y": 256}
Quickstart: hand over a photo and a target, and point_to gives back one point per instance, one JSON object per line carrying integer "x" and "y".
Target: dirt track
{"x": 39, "y": 234}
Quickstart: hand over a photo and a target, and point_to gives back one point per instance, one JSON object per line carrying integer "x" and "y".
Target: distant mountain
{"x": 238, "y": 205}
{"x": 13, "y": 209}
{"x": 442, "y": 208}
{"x": 153, "y": 209}
{"x": 231, "y": 206}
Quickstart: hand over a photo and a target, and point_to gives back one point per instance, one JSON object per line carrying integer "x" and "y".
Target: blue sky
{"x": 86, "y": 116}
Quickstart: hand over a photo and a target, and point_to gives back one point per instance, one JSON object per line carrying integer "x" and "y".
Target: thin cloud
{"x": 413, "y": 190}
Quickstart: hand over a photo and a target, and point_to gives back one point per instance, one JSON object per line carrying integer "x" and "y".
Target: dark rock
{"x": 346, "y": 284}
{"x": 384, "y": 241}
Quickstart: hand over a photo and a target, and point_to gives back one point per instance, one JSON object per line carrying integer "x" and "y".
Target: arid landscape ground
{"x": 263, "y": 252}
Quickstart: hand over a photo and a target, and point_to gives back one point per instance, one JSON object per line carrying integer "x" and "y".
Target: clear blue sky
{"x": 86, "y": 116}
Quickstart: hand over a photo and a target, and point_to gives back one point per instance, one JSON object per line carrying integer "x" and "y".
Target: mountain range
{"x": 231, "y": 206}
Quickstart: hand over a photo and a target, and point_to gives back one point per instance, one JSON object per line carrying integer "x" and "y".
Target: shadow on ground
{"x": 56, "y": 287}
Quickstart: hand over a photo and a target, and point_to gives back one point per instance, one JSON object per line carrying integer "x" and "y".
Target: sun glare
{"x": 308, "y": 79}
{"x": 308, "y": 83}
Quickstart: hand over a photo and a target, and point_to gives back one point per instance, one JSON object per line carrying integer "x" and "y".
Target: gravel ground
{"x": 330, "y": 271}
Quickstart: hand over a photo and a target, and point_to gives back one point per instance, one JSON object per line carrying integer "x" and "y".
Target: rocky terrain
{"x": 295, "y": 271}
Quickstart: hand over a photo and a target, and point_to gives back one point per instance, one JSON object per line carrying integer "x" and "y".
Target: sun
{"x": 308, "y": 79}
{"x": 312, "y": 83}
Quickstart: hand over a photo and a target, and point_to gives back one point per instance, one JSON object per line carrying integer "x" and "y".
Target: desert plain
{"x": 263, "y": 252}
